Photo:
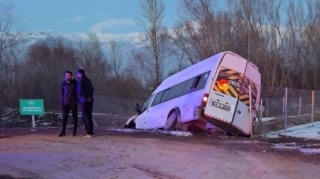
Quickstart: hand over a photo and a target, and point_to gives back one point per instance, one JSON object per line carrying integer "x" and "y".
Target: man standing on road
{"x": 85, "y": 92}
{"x": 69, "y": 100}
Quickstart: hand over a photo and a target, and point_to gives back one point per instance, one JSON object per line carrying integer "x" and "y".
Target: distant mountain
{"x": 125, "y": 41}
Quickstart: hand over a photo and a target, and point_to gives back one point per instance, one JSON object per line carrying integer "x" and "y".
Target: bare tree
{"x": 203, "y": 30}
{"x": 8, "y": 44}
{"x": 136, "y": 61}
{"x": 116, "y": 58}
{"x": 94, "y": 62}
{"x": 138, "y": 68}
{"x": 43, "y": 71}
{"x": 155, "y": 38}
{"x": 258, "y": 25}
{"x": 312, "y": 44}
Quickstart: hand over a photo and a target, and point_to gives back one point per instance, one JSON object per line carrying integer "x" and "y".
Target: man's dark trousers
{"x": 65, "y": 113}
{"x": 86, "y": 109}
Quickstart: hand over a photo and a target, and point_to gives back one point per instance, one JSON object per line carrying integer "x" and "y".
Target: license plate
{"x": 221, "y": 106}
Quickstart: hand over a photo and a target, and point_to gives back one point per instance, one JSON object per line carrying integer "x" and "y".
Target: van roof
{"x": 192, "y": 71}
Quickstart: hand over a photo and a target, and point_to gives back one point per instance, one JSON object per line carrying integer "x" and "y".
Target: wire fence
{"x": 290, "y": 108}
{"x": 107, "y": 111}
{"x": 114, "y": 106}
{"x": 278, "y": 113}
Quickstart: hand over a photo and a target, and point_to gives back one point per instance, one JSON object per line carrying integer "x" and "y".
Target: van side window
{"x": 165, "y": 95}
{"x": 176, "y": 90}
{"x": 147, "y": 104}
{"x": 196, "y": 82}
{"x": 157, "y": 98}
{"x": 185, "y": 87}
{"x": 202, "y": 81}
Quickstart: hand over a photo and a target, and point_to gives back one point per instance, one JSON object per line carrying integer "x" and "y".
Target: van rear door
{"x": 242, "y": 116}
{"x": 223, "y": 96}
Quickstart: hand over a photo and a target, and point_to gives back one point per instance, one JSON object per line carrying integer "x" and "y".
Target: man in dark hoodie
{"x": 69, "y": 100}
{"x": 85, "y": 92}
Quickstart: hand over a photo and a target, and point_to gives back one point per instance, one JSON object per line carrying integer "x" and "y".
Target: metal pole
{"x": 33, "y": 124}
{"x": 285, "y": 108}
{"x": 261, "y": 108}
{"x": 283, "y": 105}
{"x": 266, "y": 108}
{"x": 312, "y": 108}
{"x": 299, "y": 106}
{"x": 95, "y": 124}
{"x": 250, "y": 111}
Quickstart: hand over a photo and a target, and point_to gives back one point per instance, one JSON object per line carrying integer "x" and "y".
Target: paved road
{"x": 41, "y": 154}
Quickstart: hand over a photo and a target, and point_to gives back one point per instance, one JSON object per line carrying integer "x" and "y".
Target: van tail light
{"x": 204, "y": 100}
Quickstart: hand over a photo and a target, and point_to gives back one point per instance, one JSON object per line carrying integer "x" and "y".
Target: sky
{"x": 74, "y": 16}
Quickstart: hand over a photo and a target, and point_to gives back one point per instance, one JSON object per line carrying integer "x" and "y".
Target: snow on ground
{"x": 176, "y": 133}
{"x": 307, "y": 131}
{"x": 267, "y": 118}
{"x": 303, "y": 149}
{"x": 310, "y": 151}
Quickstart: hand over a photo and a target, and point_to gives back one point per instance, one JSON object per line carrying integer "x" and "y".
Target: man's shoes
{"x": 74, "y": 134}
{"x": 62, "y": 134}
{"x": 87, "y": 136}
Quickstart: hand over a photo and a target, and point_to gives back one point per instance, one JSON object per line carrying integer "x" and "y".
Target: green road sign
{"x": 31, "y": 107}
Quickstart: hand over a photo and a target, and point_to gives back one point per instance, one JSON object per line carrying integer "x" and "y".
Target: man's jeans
{"x": 86, "y": 111}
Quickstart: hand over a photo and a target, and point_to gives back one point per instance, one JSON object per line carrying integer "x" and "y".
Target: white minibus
{"x": 212, "y": 94}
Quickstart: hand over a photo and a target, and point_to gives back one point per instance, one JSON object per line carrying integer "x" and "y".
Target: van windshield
{"x": 147, "y": 103}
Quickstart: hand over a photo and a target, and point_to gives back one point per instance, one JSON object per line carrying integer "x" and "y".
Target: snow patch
{"x": 267, "y": 118}
{"x": 291, "y": 145}
{"x": 302, "y": 149}
{"x": 272, "y": 135}
{"x": 5, "y": 119}
{"x": 176, "y": 133}
{"x": 308, "y": 131}
{"x": 124, "y": 130}
{"x": 310, "y": 151}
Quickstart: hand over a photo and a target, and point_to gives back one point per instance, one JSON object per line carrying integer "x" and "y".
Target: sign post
{"x": 312, "y": 109}
{"x": 250, "y": 112}
{"x": 285, "y": 108}
{"x": 32, "y": 107}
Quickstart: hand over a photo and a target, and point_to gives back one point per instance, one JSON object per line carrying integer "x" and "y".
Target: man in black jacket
{"x": 69, "y": 100}
{"x": 85, "y": 92}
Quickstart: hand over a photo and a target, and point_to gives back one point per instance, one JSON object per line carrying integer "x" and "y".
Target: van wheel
{"x": 132, "y": 125}
{"x": 171, "y": 121}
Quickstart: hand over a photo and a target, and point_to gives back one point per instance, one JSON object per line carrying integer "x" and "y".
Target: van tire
{"x": 171, "y": 121}
{"x": 131, "y": 125}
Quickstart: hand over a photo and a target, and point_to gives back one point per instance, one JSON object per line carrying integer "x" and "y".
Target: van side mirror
{"x": 137, "y": 108}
